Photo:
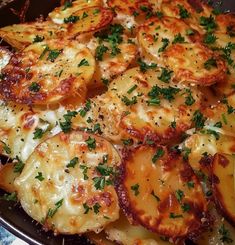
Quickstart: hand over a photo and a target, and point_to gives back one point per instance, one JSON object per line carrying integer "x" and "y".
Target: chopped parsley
{"x": 185, "y": 207}
{"x": 190, "y": 32}
{"x": 179, "y": 195}
{"x": 84, "y": 171}
{"x": 190, "y": 184}
{"x": 186, "y": 151}
{"x": 129, "y": 102}
{"x": 34, "y": 87}
{"x": 189, "y": 100}
{"x": 165, "y": 43}
{"x": 210, "y": 63}
{"x": 184, "y": 14}
{"x": 159, "y": 153}
{"x": 84, "y": 15}
{"x": 144, "y": 66}
{"x": 99, "y": 183}
{"x": 38, "y": 133}
{"x": 38, "y": 39}
{"x": 96, "y": 208}
{"x": 5, "y": 147}
{"x": 66, "y": 126}
{"x": 127, "y": 142}
{"x": 198, "y": 119}
{"x": 73, "y": 163}
{"x": 165, "y": 75}
{"x": 155, "y": 196}
{"x": 175, "y": 216}
{"x": 19, "y": 165}
{"x": 208, "y": 23}
{"x": 39, "y": 176}
{"x": 178, "y": 39}
{"x": 67, "y": 4}
{"x": 52, "y": 212}
{"x": 53, "y": 54}
{"x": 210, "y": 38}
{"x": 86, "y": 208}
{"x": 85, "y": 109}
{"x": 83, "y": 62}
{"x": 100, "y": 51}
{"x": 225, "y": 234}
{"x": 71, "y": 19}
{"x": 9, "y": 197}
{"x": 133, "y": 88}
{"x": 91, "y": 143}
{"x": 135, "y": 189}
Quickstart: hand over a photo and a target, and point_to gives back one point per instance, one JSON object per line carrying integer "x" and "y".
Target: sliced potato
{"x": 128, "y": 6}
{"x": 153, "y": 176}
{"x": 122, "y": 232}
{"x": 5, "y": 56}
{"x": 47, "y": 72}
{"x": 110, "y": 65}
{"x": 66, "y": 183}
{"x": 60, "y": 13}
{"x": 88, "y": 20}
{"x": 155, "y": 35}
{"x": 7, "y": 177}
{"x": 136, "y": 105}
{"x": 195, "y": 64}
{"x": 223, "y": 185}
{"x": 21, "y": 35}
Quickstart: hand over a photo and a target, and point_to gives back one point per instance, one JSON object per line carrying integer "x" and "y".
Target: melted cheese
{"x": 83, "y": 206}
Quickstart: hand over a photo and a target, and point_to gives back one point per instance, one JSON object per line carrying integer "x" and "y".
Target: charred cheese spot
{"x": 195, "y": 64}
{"x": 47, "y": 72}
{"x": 123, "y": 232}
{"x": 74, "y": 196}
{"x": 60, "y": 13}
{"x": 156, "y": 32}
{"x": 162, "y": 185}
{"x": 226, "y": 23}
{"x": 223, "y": 183}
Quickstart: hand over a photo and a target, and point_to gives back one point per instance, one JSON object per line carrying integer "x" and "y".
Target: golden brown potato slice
{"x": 69, "y": 8}
{"x": 67, "y": 183}
{"x": 7, "y": 177}
{"x": 47, "y": 72}
{"x": 109, "y": 64}
{"x": 158, "y": 178}
{"x": 223, "y": 185}
{"x": 141, "y": 106}
{"x": 156, "y": 35}
{"x": 195, "y": 64}
{"x": 129, "y": 7}
{"x": 21, "y": 35}
{"x": 122, "y": 232}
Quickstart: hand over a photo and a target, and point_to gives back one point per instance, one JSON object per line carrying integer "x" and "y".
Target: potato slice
{"x": 66, "y": 184}
{"x": 47, "y": 72}
{"x": 128, "y": 7}
{"x": 5, "y": 56}
{"x": 122, "y": 232}
{"x": 153, "y": 176}
{"x": 7, "y": 177}
{"x": 109, "y": 64}
{"x": 136, "y": 105}
{"x": 21, "y": 35}
{"x": 195, "y": 64}
{"x": 88, "y": 20}
{"x": 60, "y": 13}
{"x": 155, "y": 35}
{"x": 223, "y": 185}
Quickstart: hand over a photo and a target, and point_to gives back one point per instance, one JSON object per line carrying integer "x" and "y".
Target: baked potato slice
{"x": 7, "y": 177}
{"x": 67, "y": 183}
{"x": 21, "y": 35}
{"x": 122, "y": 232}
{"x": 110, "y": 63}
{"x": 195, "y": 64}
{"x": 129, "y": 7}
{"x": 47, "y": 73}
{"x": 159, "y": 178}
{"x": 223, "y": 185}
{"x": 87, "y": 20}
{"x": 156, "y": 35}
{"x": 67, "y": 9}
